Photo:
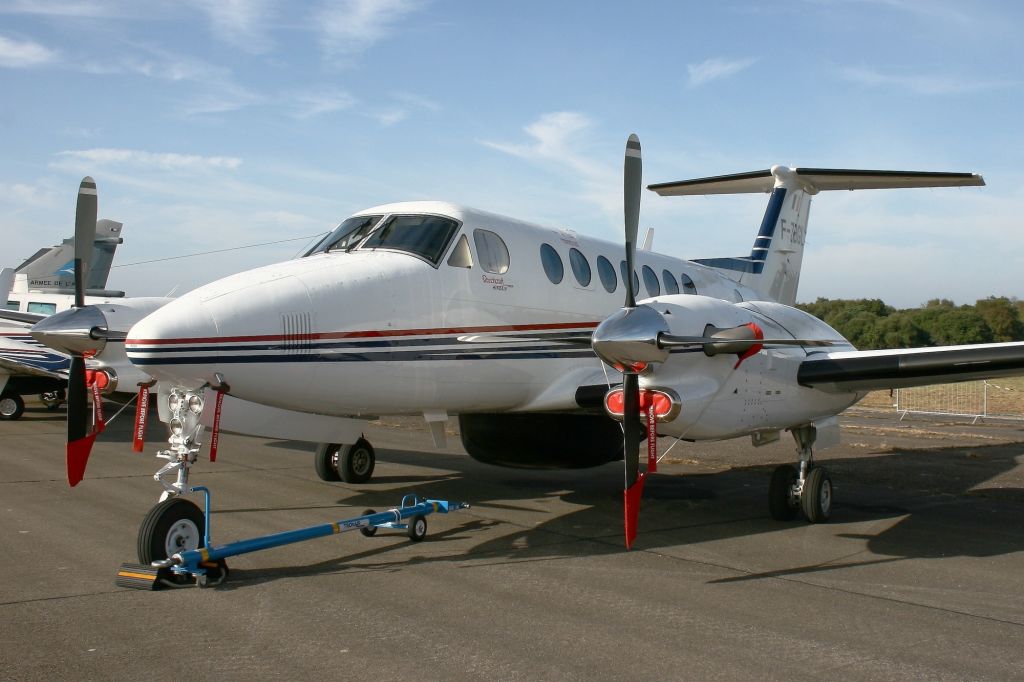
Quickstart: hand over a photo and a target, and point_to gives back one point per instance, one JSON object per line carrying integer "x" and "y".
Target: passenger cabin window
{"x": 651, "y": 281}
{"x": 552, "y": 263}
{"x": 580, "y": 267}
{"x": 424, "y": 236}
{"x": 12, "y": 305}
{"x": 491, "y": 250}
{"x": 42, "y": 308}
{"x": 607, "y": 273}
{"x": 688, "y": 286}
{"x": 345, "y": 236}
{"x": 671, "y": 285}
{"x": 636, "y": 280}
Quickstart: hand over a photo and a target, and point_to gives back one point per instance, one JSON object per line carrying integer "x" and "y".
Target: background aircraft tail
{"x": 773, "y": 266}
{"x": 51, "y": 270}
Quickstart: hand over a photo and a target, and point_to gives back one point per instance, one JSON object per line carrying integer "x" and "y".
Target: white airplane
{"x": 39, "y": 287}
{"x": 434, "y": 309}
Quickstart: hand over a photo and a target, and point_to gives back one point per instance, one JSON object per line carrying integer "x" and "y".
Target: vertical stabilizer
{"x": 773, "y": 266}
{"x": 51, "y": 269}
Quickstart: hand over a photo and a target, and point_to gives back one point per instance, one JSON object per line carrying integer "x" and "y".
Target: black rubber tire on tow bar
{"x": 780, "y": 503}
{"x": 417, "y": 528}
{"x": 170, "y": 527}
{"x": 356, "y": 462}
{"x": 369, "y": 531}
{"x": 12, "y": 406}
{"x": 816, "y": 499}
{"x": 325, "y": 461}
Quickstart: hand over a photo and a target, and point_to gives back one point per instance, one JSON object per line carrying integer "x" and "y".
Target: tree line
{"x": 871, "y": 324}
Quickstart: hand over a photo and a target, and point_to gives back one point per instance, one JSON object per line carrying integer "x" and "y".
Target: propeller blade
{"x": 85, "y": 235}
{"x": 632, "y": 434}
{"x": 79, "y": 439}
{"x": 632, "y": 179}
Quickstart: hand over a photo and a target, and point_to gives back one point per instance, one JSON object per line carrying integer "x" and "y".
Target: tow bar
{"x": 205, "y": 567}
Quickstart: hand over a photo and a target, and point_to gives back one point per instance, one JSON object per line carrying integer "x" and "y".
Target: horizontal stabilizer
{"x": 814, "y": 180}
{"x": 906, "y": 367}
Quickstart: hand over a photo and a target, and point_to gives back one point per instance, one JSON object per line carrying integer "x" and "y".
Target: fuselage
{"x": 376, "y": 329}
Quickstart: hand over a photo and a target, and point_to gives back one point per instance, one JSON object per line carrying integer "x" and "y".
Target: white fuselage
{"x": 376, "y": 331}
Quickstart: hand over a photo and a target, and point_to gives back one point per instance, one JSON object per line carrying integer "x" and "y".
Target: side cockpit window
{"x": 345, "y": 236}
{"x": 492, "y": 252}
{"x": 425, "y": 236}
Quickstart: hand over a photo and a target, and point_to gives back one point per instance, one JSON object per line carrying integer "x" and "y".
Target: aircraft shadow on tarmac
{"x": 934, "y": 499}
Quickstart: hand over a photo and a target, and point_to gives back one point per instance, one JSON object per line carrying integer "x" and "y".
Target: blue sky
{"x": 208, "y": 124}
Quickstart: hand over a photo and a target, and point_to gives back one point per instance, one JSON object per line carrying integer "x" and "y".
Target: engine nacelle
{"x": 541, "y": 440}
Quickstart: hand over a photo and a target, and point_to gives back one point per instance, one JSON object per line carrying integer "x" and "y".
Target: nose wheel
{"x": 172, "y": 526}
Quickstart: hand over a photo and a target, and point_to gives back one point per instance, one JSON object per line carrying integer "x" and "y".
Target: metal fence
{"x": 970, "y": 399}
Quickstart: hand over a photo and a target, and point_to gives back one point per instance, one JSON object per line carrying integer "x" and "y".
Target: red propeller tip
{"x": 631, "y": 501}
{"x": 78, "y": 457}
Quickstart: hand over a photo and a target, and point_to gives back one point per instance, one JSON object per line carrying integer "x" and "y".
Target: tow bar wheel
{"x": 173, "y": 526}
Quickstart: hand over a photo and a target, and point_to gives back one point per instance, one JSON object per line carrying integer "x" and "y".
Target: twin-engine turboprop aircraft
{"x": 435, "y": 309}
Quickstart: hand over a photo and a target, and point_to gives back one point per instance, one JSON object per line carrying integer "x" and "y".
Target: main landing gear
{"x": 349, "y": 463}
{"x": 807, "y": 489}
{"x": 12, "y": 406}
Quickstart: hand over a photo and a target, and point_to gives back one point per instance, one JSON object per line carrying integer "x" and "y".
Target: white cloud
{"x": 142, "y": 159}
{"x": 417, "y": 101}
{"x": 242, "y": 23}
{"x": 389, "y": 117}
{"x": 320, "y": 102}
{"x": 921, "y": 84}
{"x": 20, "y": 54}
{"x": 353, "y": 26}
{"x": 716, "y": 68}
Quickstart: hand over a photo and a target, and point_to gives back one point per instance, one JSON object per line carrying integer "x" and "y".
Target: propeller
{"x": 79, "y": 439}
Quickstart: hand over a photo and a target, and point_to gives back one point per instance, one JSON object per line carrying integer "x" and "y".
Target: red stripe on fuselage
{"x": 446, "y": 331}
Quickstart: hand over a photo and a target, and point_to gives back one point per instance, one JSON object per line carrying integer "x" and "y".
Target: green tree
{"x": 1002, "y": 317}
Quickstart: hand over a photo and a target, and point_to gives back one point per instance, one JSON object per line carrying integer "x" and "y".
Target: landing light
{"x": 667, "y": 404}
{"x": 195, "y": 403}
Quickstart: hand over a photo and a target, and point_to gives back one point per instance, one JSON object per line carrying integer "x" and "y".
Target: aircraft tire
{"x": 779, "y": 504}
{"x": 356, "y": 462}
{"x": 170, "y": 527}
{"x": 816, "y": 500}
{"x": 417, "y": 528}
{"x": 12, "y": 406}
{"x": 325, "y": 461}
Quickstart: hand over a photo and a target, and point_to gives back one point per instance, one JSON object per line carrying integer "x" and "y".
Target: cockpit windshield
{"x": 425, "y": 236}
{"x": 347, "y": 235}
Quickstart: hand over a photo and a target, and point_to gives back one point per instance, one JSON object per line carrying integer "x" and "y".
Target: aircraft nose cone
{"x": 177, "y": 342}
{"x": 78, "y": 330}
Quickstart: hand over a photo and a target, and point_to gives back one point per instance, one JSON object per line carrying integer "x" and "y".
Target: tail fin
{"x": 50, "y": 268}
{"x": 773, "y": 266}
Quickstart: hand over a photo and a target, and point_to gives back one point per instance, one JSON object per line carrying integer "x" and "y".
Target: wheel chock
{"x": 142, "y": 576}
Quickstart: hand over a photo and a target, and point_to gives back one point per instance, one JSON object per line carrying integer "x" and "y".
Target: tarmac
{"x": 919, "y": 574}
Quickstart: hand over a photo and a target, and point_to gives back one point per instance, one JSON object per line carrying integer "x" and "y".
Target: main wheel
{"x": 356, "y": 462}
{"x": 418, "y": 528}
{"x": 53, "y": 399}
{"x": 816, "y": 499}
{"x": 173, "y": 526}
{"x": 780, "y": 493}
{"x": 325, "y": 461}
{"x": 11, "y": 406}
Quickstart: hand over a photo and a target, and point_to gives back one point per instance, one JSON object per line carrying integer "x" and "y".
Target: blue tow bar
{"x": 206, "y": 565}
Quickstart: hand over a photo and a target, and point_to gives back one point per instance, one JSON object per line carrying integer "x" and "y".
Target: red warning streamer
{"x": 97, "y": 408}
{"x": 652, "y": 439}
{"x": 141, "y": 414}
{"x": 215, "y": 436}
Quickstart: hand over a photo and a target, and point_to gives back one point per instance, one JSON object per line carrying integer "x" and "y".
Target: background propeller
{"x": 80, "y": 440}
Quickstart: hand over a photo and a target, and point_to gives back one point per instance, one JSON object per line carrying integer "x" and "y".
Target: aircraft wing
{"x": 18, "y": 358}
{"x": 24, "y": 318}
{"x": 845, "y": 371}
